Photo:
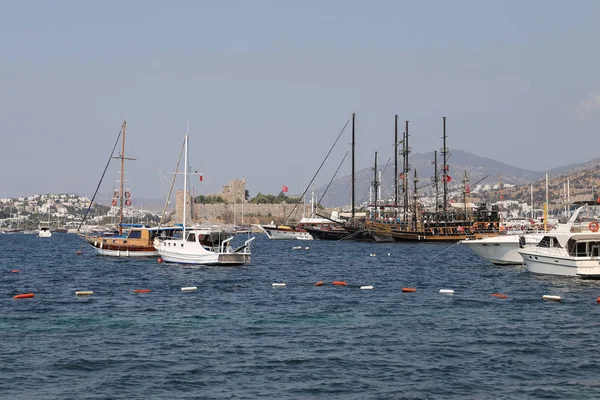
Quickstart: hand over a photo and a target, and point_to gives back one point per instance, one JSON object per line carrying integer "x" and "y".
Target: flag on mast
{"x": 284, "y": 189}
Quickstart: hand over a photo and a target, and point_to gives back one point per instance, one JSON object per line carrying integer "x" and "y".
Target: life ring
{"x": 114, "y": 202}
{"x": 116, "y": 195}
{"x": 127, "y": 202}
{"x": 593, "y": 226}
{"x": 127, "y": 194}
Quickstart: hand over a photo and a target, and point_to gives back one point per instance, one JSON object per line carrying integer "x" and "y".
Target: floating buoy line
{"x": 444, "y": 291}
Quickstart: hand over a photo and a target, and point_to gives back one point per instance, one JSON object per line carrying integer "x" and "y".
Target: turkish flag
{"x": 201, "y": 178}
{"x": 284, "y": 189}
{"x": 448, "y": 178}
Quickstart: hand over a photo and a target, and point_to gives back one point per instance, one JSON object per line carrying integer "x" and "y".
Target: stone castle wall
{"x": 241, "y": 214}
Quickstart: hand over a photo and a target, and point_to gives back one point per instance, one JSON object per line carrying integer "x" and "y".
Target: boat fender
{"x": 522, "y": 241}
{"x": 24, "y": 296}
{"x": 447, "y": 291}
{"x": 549, "y": 297}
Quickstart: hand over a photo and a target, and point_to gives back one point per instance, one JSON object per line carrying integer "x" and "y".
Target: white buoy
{"x": 306, "y": 248}
{"x": 366, "y": 287}
{"x": 189, "y": 288}
{"x": 278, "y": 284}
{"x": 447, "y": 291}
{"x": 296, "y": 247}
{"x": 389, "y": 254}
{"x": 549, "y": 297}
{"x": 84, "y": 293}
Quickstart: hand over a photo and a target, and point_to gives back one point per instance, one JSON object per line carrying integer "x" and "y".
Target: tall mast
{"x": 375, "y": 185}
{"x": 185, "y": 177}
{"x": 122, "y": 179}
{"x": 353, "y": 144}
{"x": 501, "y": 196}
{"x": 396, "y": 166}
{"x": 416, "y": 221}
{"x": 445, "y": 168}
{"x": 405, "y": 151}
{"x": 436, "y": 180}
{"x": 466, "y": 190}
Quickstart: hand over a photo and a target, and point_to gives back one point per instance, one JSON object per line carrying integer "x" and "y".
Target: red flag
{"x": 467, "y": 188}
{"x": 201, "y": 178}
{"x": 284, "y": 189}
{"x": 448, "y": 178}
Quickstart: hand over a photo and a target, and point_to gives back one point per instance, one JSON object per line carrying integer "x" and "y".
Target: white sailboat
{"x": 201, "y": 245}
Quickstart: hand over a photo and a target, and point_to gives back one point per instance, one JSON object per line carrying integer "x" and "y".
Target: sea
{"x": 239, "y": 337}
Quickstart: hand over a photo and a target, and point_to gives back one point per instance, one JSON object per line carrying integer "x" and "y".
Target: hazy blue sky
{"x": 267, "y": 86}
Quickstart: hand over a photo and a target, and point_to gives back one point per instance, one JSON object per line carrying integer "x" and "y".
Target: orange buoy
{"x": 598, "y": 299}
{"x": 24, "y": 296}
{"x": 79, "y": 252}
{"x": 319, "y": 283}
{"x": 142, "y": 290}
{"x": 160, "y": 260}
{"x": 409, "y": 289}
{"x": 341, "y": 283}
{"x": 499, "y": 295}
{"x": 16, "y": 270}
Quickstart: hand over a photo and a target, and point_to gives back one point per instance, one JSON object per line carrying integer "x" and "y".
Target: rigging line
{"x": 318, "y": 170}
{"x": 101, "y": 178}
{"x": 171, "y": 188}
{"x": 383, "y": 173}
{"x": 445, "y": 250}
{"x": 331, "y": 181}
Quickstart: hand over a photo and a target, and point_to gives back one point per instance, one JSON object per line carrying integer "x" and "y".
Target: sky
{"x": 267, "y": 86}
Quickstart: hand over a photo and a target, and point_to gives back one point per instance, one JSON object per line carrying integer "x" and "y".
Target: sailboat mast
{"x": 122, "y": 180}
{"x": 375, "y": 185}
{"x": 405, "y": 151}
{"x": 501, "y": 196}
{"x": 396, "y": 167}
{"x": 353, "y": 144}
{"x": 445, "y": 168}
{"x": 436, "y": 180}
{"x": 185, "y": 178}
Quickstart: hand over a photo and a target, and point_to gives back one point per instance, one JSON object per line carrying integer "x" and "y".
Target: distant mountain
{"x": 479, "y": 170}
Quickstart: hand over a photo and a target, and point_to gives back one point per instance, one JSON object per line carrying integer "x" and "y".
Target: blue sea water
{"x": 238, "y": 337}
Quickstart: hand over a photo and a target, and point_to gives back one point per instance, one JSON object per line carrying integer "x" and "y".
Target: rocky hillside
{"x": 582, "y": 178}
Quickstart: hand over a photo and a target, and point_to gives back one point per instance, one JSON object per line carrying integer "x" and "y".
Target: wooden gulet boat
{"x": 131, "y": 240}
